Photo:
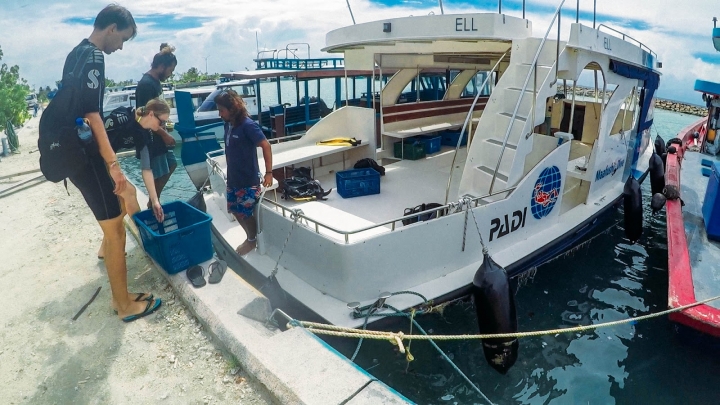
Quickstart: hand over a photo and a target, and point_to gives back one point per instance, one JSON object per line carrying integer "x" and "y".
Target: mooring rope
{"x": 340, "y": 331}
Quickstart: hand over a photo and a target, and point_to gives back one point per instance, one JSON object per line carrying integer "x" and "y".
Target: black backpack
{"x": 121, "y": 128}
{"x": 62, "y": 154}
{"x": 369, "y": 163}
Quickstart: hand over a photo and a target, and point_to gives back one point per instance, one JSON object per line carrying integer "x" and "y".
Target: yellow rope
{"x": 395, "y": 337}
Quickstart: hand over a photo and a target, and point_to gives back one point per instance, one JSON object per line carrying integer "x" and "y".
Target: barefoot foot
{"x": 246, "y": 247}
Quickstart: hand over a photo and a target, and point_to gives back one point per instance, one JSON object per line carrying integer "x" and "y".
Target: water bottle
{"x": 83, "y": 130}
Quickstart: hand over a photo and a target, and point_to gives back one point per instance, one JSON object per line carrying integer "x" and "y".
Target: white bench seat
{"x": 338, "y": 219}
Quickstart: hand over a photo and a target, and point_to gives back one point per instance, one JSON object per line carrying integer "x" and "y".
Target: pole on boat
{"x": 441, "y": 7}
{"x": 594, "y": 12}
{"x": 524, "y": 9}
{"x": 499, "y": 6}
{"x": 557, "y": 52}
{"x": 351, "y": 13}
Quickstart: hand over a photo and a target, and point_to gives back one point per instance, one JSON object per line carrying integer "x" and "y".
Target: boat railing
{"x": 467, "y": 121}
{"x": 299, "y": 64}
{"x": 533, "y": 72}
{"x": 317, "y": 224}
{"x": 625, "y": 37}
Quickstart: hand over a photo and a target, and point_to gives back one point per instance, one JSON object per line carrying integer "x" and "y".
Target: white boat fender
{"x": 633, "y": 209}
{"x": 495, "y": 312}
{"x": 657, "y": 202}
{"x": 657, "y": 174}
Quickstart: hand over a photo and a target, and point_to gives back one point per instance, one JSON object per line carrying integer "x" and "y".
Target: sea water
{"x": 607, "y": 279}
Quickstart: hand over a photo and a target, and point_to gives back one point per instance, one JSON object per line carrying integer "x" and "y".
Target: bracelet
{"x": 113, "y": 163}
{"x": 268, "y": 172}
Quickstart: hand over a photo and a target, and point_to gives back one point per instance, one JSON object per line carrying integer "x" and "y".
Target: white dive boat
{"x": 532, "y": 182}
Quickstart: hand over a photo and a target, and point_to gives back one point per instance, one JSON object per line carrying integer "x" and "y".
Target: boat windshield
{"x": 244, "y": 90}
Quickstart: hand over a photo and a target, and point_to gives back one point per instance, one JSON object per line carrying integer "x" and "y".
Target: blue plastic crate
{"x": 711, "y": 204}
{"x": 357, "y": 182}
{"x": 450, "y": 138}
{"x": 409, "y": 149}
{"x": 181, "y": 241}
{"x": 431, "y": 142}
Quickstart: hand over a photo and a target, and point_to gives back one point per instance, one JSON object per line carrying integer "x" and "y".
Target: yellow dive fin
{"x": 340, "y": 142}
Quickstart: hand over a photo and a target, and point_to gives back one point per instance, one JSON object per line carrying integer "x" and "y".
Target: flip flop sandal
{"x": 195, "y": 275}
{"x": 217, "y": 271}
{"x": 151, "y": 307}
{"x": 140, "y": 297}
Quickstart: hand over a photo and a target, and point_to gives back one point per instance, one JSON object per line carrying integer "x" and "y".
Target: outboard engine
{"x": 657, "y": 174}
{"x": 495, "y": 311}
{"x": 633, "y": 209}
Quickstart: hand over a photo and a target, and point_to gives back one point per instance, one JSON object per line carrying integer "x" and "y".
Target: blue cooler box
{"x": 181, "y": 241}
{"x": 711, "y": 204}
{"x": 357, "y": 182}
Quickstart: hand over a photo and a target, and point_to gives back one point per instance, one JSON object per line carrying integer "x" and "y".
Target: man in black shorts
{"x": 102, "y": 180}
{"x": 148, "y": 88}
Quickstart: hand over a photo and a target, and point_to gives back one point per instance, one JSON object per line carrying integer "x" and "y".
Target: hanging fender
{"x": 495, "y": 312}
{"x": 657, "y": 174}
{"x": 632, "y": 204}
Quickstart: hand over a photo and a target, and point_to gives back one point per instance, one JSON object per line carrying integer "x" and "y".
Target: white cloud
{"x": 33, "y": 35}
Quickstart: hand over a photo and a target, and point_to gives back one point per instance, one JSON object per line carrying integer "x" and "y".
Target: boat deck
{"x": 704, "y": 253}
{"x": 693, "y": 260}
{"x": 406, "y": 184}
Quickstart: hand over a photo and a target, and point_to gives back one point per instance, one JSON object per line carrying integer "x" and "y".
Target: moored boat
{"x": 538, "y": 168}
{"x": 693, "y": 220}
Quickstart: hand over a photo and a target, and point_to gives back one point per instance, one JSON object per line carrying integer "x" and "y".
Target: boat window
{"x": 209, "y": 103}
{"x": 473, "y": 86}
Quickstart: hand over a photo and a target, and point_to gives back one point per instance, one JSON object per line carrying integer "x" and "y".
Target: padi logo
{"x": 54, "y": 145}
{"x": 610, "y": 169}
{"x": 498, "y": 229}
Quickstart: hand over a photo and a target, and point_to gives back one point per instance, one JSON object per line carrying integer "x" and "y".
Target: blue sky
{"x": 38, "y": 34}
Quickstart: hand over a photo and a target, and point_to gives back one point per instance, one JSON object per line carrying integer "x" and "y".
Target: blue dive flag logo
{"x": 546, "y": 192}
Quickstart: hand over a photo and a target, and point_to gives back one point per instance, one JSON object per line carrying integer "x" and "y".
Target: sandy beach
{"x": 49, "y": 271}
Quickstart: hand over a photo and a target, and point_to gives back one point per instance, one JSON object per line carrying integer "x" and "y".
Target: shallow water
{"x": 608, "y": 279}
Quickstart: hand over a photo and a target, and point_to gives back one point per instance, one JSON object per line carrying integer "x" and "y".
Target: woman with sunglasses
{"x": 124, "y": 131}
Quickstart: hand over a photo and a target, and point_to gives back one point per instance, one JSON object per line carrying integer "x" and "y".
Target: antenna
{"x": 441, "y": 7}
{"x": 257, "y": 44}
{"x": 351, "y": 14}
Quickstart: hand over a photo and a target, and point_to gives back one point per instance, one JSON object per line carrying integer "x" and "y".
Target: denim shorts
{"x": 161, "y": 165}
{"x": 241, "y": 201}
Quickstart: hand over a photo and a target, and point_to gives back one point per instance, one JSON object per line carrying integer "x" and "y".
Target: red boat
{"x": 693, "y": 255}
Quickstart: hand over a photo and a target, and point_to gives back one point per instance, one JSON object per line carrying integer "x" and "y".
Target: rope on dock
{"x": 339, "y": 331}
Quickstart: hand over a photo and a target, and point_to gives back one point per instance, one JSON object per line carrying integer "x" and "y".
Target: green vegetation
{"x": 13, "y": 90}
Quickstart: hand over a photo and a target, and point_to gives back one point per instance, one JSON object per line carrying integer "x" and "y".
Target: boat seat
{"x": 338, "y": 219}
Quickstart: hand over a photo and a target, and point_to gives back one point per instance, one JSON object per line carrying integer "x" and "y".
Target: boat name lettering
{"x": 606, "y": 43}
{"x": 610, "y": 169}
{"x": 462, "y": 25}
{"x": 502, "y": 229}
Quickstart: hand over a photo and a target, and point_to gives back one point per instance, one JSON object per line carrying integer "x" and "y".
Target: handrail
{"x": 298, "y": 43}
{"x": 522, "y": 93}
{"x": 628, "y": 36}
{"x": 467, "y": 119}
{"x": 391, "y": 222}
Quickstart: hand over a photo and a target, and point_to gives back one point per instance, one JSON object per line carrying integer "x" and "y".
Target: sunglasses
{"x": 162, "y": 122}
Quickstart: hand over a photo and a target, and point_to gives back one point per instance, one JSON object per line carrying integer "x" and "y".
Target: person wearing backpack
{"x": 148, "y": 88}
{"x": 129, "y": 128}
{"x": 93, "y": 168}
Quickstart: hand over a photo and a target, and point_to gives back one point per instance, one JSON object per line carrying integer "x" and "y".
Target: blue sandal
{"x": 151, "y": 307}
